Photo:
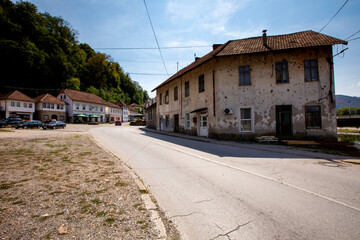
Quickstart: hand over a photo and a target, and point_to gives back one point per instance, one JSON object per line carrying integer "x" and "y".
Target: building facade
{"x": 16, "y": 103}
{"x": 271, "y": 85}
{"x": 48, "y": 107}
{"x": 125, "y": 110}
{"x": 82, "y": 106}
{"x": 150, "y": 113}
{"x": 113, "y": 112}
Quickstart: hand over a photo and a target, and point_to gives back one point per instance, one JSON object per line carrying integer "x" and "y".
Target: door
{"x": 284, "y": 121}
{"x": 203, "y": 126}
{"x": 176, "y": 123}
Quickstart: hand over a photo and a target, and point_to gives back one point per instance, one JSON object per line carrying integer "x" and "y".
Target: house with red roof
{"x": 16, "y": 103}
{"x": 48, "y": 107}
{"x": 113, "y": 112}
{"x": 83, "y": 106}
{"x": 125, "y": 110}
{"x": 279, "y": 85}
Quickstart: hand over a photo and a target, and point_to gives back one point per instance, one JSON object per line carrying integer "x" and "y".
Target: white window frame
{"x": 252, "y": 119}
{"x": 187, "y": 121}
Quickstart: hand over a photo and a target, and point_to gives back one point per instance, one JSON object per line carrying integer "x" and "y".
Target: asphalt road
{"x": 214, "y": 191}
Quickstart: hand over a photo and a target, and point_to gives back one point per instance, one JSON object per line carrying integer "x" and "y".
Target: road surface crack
{"x": 234, "y": 230}
{"x": 184, "y": 215}
{"x": 207, "y": 200}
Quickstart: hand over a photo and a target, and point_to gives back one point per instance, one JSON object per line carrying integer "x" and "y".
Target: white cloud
{"x": 212, "y": 15}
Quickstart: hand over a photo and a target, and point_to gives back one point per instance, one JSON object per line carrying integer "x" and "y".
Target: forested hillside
{"x": 40, "y": 53}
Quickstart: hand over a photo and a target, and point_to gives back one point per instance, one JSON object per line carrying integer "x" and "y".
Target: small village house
{"x": 113, "y": 112}
{"x": 125, "y": 110}
{"x": 269, "y": 85}
{"x": 48, "y": 107}
{"x": 16, "y": 103}
{"x": 82, "y": 106}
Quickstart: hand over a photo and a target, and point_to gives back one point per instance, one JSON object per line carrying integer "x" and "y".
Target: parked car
{"x": 54, "y": 125}
{"x": 10, "y": 122}
{"x": 30, "y": 124}
{"x": 117, "y": 123}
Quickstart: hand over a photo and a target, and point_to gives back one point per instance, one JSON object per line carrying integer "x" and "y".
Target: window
{"x": 167, "y": 121}
{"x": 52, "y": 106}
{"x": 13, "y": 104}
{"x": 187, "y": 120}
{"x": 244, "y": 73}
{"x": 96, "y": 108}
{"x": 44, "y": 105}
{"x": 30, "y": 105}
{"x": 48, "y": 105}
{"x": 160, "y": 96}
{"x": 57, "y": 106}
{"x": 101, "y": 109}
{"x": 64, "y": 96}
{"x": 167, "y": 96}
{"x": 311, "y": 70}
{"x": 282, "y": 72}
{"x": 201, "y": 83}
{"x": 313, "y": 116}
{"x": 46, "y": 117}
{"x": 62, "y": 118}
{"x": 187, "y": 89}
{"x": 245, "y": 120}
{"x": 18, "y": 104}
{"x": 77, "y": 106}
{"x": 83, "y": 106}
{"x": 25, "y": 105}
{"x": 175, "y": 93}
{"x": 61, "y": 107}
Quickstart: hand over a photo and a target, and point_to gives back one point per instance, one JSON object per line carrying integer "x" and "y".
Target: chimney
{"x": 215, "y": 46}
{"x": 264, "y": 39}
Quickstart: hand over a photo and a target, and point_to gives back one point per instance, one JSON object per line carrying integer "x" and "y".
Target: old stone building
{"x": 269, "y": 85}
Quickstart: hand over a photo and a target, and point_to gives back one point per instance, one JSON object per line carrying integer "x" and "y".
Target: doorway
{"x": 176, "y": 123}
{"x": 203, "y": 126}
{"x": 284, "y": 121}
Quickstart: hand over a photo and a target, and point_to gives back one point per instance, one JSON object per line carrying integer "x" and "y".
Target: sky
{"x": 105, "y": 24}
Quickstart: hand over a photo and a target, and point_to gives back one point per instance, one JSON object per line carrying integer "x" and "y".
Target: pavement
{"x": 269, "y": 147}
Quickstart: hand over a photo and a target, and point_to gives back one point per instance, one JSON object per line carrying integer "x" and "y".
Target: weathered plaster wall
{"x": 264, "y": 93}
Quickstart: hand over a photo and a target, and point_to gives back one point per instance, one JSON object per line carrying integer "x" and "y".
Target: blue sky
{"x": 177, "y": 23}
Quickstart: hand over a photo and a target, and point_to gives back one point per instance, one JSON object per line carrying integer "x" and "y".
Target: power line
{"x": 119, "y": 60}
{"x": 353, "y": 39}
{"x": 147, "y": 11}
{"x": 334, "y": 15}
{"x": 150, "y": 74}
{"x": 148, "y": 48}
{"x": 353, "y": 35}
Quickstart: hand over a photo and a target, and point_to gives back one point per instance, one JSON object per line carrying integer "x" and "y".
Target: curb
{"x": 145, "y": 195}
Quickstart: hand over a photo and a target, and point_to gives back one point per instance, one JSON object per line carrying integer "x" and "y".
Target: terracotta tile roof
{"x": 16, "y": 95}
{"x": 48, "y": 98}
{"x": 113, "y": 105}
{"x": 121, "y": 104}
{"x": 131, "y": 109}
{"x": 255, "y": 45}
{"x": 83, "y": 96}
{"x": 279, "y": 42}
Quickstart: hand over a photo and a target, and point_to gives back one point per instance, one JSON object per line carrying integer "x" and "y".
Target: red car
{"x": 117, "y": 123}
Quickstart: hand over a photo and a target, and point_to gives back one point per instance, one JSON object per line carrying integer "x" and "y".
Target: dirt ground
{"x": 58, "y": 184}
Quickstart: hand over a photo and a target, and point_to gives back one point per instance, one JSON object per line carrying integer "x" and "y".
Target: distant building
{"x": 82, "y": 106}
{"x": 150, "y": 113}
{"x": 125, "y": 110}
{"x": 48, "y": 107}
{"x": 269, "y": 85}
{"x": 113, "y": 112}
{"x": 16, "y": 103}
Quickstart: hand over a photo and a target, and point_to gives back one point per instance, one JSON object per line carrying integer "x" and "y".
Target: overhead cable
{"x": 333, "y": 16}
{"x": 353, "y": 35}
{"x": 148, "y": 48}
{"x": 147, "y": 11}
